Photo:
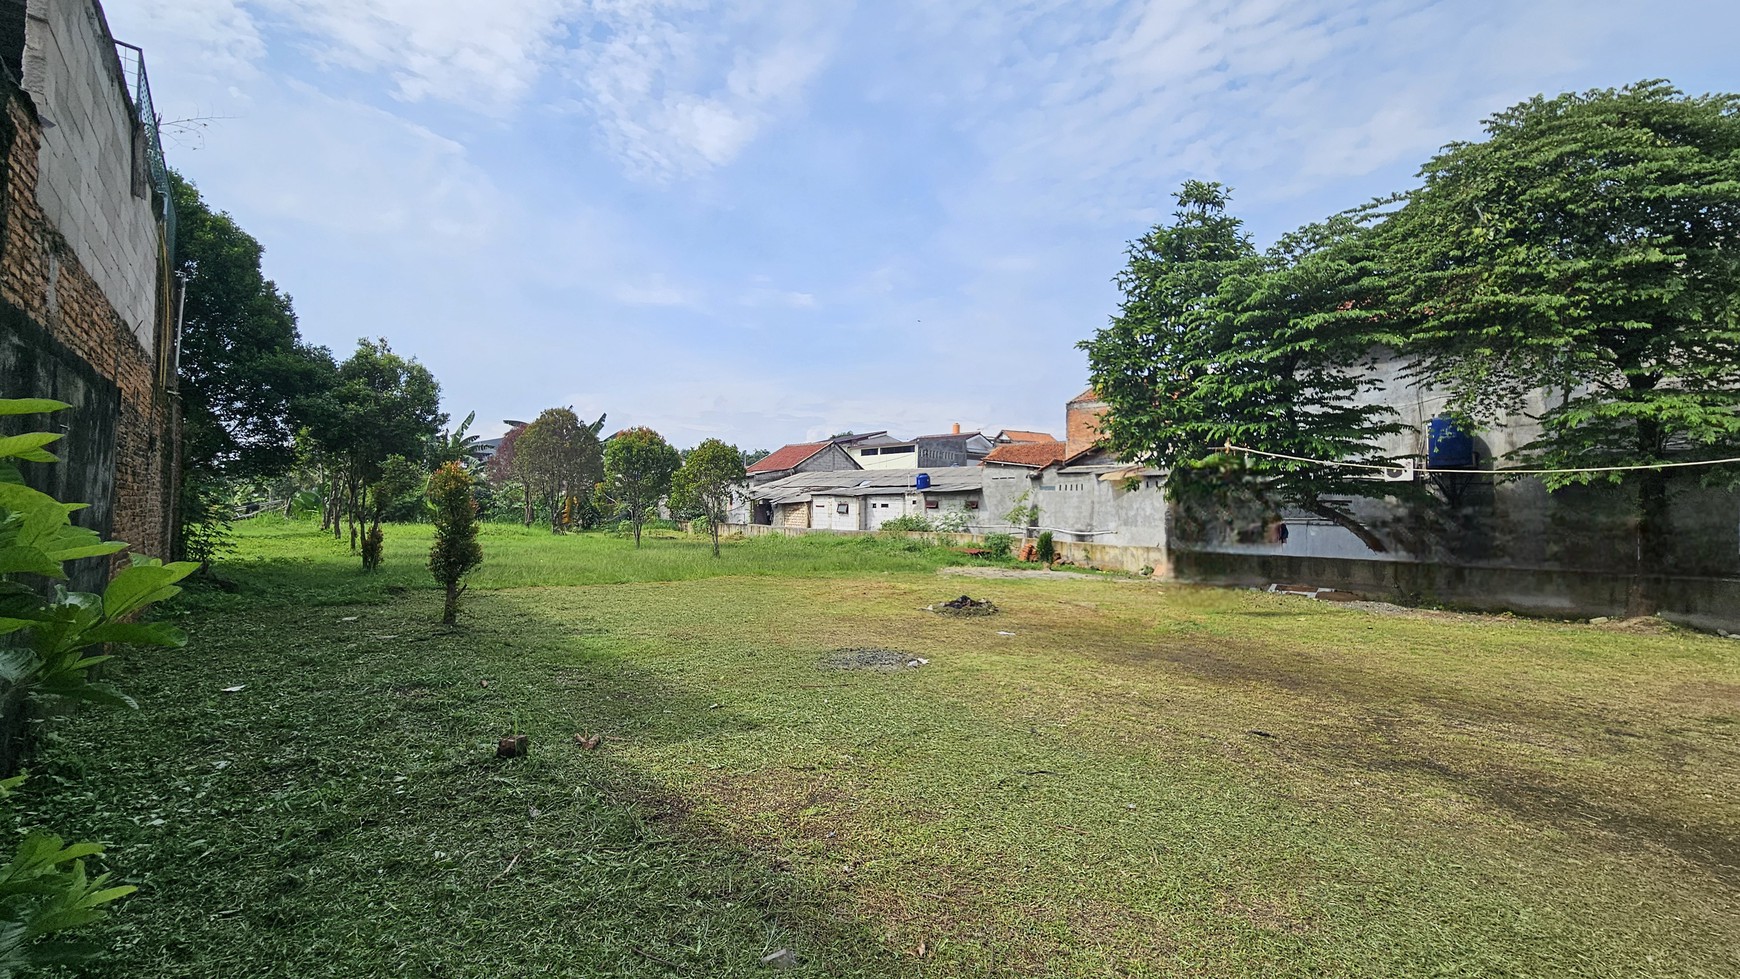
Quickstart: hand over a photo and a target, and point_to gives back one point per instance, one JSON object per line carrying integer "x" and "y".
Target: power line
{"x": 1229, "y": 447}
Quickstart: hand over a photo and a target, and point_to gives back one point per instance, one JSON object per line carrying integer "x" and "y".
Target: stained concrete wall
{"x": 1076, "y": 505}
{"x": 92, "y": 180}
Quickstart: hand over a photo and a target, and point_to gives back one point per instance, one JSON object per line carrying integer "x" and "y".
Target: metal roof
{"x": 870, "y": 482}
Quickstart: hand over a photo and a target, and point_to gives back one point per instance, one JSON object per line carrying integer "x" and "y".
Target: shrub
{"x": 999, "y": 545}
{"x": 44, "y": 889}
{"x": 1047, "y": 551}
{"x": 910, "y": 522}
{"x": 456, "y": 552}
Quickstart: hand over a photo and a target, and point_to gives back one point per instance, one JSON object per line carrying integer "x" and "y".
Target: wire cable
{"x": 1229, "y": 447}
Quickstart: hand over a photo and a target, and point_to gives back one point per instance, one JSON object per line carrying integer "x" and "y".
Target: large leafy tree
{"x": 1588, "y": 248}
{"x": 247, "y": 379}
{"x": 383, "y": 405}
{"x": 710, "y": 476}
{"x": 638, "y": 467}
{"x": 245, "y": 372}
{"x": 1216, "y": 344}
{"x": 560, "y": 460}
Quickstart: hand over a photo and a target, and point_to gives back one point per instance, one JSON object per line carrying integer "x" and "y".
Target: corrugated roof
{"x": 1035, "y": 454}
{"x": 787, "y": 457}
{"x": 870, "y": 482}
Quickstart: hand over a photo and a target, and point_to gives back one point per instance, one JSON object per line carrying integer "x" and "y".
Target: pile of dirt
{"x": 867, "y": 658}
{"x": 966, "y": 605}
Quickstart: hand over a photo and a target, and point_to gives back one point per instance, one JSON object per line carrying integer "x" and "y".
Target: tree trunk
{"x": 713, "y": 526}
{"x": 450, "y": 611}
{"x": 1347, "y": 523}
{"x": 528, "y": 485}
{"x": 636, "y": 518}
{"x": 1653, "y": 537}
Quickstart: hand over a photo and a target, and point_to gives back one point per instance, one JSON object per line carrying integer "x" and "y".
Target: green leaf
{"x": 140, "y": 585}
{"x": 31, "y": 406}
{"x": 30, "y": 560}
{"x": 28, "y": 446}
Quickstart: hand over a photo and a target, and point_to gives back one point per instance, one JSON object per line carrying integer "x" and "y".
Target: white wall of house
{"x": 886, "y": 457}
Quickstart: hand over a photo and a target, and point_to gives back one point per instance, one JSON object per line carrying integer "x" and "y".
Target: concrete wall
{"x": 1104, "y": 557}
{"x": 60, "y": 336}
{"x": 1076, "y": 505}
{"x": 93, "y": 185}
{"x": 1703, "y": 602}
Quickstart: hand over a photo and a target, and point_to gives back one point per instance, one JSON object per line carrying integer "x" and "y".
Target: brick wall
{"x": 1082, "y": 423}
{"x": 47, "y": 291}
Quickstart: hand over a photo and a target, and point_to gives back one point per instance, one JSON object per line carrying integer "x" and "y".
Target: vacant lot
{"x": 1108, "y": 777}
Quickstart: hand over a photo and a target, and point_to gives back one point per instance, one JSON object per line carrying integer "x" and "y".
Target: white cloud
{"x": 677, "y": 90}
{"x": 486, "y": 56}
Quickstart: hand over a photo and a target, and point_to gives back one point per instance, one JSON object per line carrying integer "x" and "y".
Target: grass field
{"x": 1109, "y": 777}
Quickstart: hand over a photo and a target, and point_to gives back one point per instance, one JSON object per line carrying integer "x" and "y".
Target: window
{"x": 868, "y": 452}
{"x": 897, "y": 449}
{"x": 930, "y": 504}
{"x": 843, "y": 508}
{"x": 972, "y": 504}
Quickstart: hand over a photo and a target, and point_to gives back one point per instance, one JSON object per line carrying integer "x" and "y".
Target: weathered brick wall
{"x": 1082, "y": 420}
{"x": 44, "y": 285}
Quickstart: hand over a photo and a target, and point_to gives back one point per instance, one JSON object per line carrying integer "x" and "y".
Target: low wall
{"x": 1700, "y": 602}
{"x": 1104, "y": 557}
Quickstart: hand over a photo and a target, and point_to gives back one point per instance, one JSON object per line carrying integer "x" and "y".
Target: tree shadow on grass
{"x": 343, "y": 813}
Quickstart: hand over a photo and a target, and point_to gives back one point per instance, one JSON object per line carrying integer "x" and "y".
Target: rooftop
{"x": 1035, "y": 454}
{"x": 787, "y": 457}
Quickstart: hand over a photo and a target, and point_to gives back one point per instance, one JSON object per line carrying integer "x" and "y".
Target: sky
{"x": 769, "y": 222}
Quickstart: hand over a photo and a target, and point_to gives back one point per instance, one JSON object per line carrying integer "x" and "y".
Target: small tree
{"x": 456, "y": 552}
{"x": 708, "y": 481}
{"x": 558, "y": 459}
{"x": 638, "y": 467}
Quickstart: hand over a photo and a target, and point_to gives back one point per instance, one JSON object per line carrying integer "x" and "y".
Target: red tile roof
{"x": 787, "y": 457}
{"x": 1035, "y": 454}
{"x": 1016, "y": 435}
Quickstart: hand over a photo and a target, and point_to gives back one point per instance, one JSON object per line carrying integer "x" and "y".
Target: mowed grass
{"x": 1110, "y": 777}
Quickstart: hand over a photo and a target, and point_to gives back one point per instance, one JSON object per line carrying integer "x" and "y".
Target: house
{"x": 867, "y": 499}
{"x": 955, "y": 448}
{"x": 1082, "y": 492}
{"x": 1008, "y": 435}
{"x": 829, "y": 456}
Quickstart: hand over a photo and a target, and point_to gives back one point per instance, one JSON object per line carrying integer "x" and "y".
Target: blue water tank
{"x": 1448, "y": 445}
{"x": 922, "y": 482}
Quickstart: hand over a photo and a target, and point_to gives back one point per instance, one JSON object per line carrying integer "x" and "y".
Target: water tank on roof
{"x": 922, "y": 481}
{"x": 1448, "y": 445}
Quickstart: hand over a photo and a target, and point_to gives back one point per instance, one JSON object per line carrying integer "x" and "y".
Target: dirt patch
{"x": 867, "y": 658}
{"x": 965, "y": 606}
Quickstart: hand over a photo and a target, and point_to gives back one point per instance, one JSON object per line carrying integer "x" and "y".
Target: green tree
{"x": 638, "y": 467}
{"x": 382, "y": 405}
{"x": 1216, "y": 343}
{"x": 559, "y": 460}
{"x": 246, "y": 377}
{"x": 1589, "y": 247}
{"x": 709, "y": 479}
{"x": 455, "y": 445}
{"x": 456, "y": 552}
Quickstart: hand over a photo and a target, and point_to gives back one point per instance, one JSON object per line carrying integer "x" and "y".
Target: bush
{"x": 909, "y": 523}
{"x": 999, "y": 545}
{"x": 456, "y": 552}
{"x": 1047, "y": 551}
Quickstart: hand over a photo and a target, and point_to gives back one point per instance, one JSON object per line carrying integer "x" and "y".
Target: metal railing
{"x": 138, "y": 85}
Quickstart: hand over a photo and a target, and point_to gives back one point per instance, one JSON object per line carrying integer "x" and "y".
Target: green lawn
{"x": 1140, "y": 779}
